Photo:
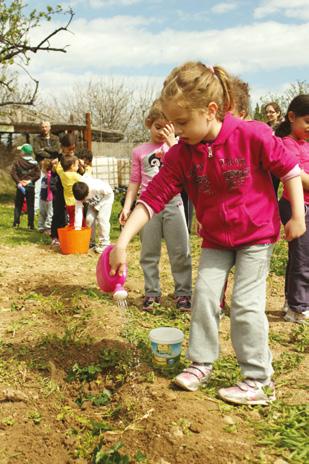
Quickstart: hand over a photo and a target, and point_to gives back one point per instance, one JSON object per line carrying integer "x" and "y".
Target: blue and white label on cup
{"x": 166, "y": 345}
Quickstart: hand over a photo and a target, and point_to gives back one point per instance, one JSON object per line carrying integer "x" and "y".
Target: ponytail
{"x": 284, "y": 128}
{"x": 226, "y": 83}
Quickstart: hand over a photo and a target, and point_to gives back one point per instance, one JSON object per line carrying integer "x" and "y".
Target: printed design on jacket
{"x": 235, "y": 172}
{"x": 153, "y": 162}
{"x": 202, "y": 181}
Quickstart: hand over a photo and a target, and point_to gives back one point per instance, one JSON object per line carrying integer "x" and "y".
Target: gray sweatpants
{"x": 46, "y": 214}
{"x": 171, "y": 225}
{"x": 249, "y": 324}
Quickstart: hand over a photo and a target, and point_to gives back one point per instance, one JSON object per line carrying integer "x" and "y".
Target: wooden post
{"x": 88, "y": 133}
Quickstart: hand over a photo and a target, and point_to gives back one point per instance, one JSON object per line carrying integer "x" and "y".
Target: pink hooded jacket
{"x": 228, "y": 182}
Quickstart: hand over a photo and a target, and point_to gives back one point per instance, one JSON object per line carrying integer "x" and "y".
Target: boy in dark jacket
{"x": 25, "y": 172}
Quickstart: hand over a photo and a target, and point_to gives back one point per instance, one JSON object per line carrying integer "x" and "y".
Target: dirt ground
{"x": 54, "y": 322}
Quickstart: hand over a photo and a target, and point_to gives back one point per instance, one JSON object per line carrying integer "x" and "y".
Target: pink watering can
{"x": 111, "y": 284}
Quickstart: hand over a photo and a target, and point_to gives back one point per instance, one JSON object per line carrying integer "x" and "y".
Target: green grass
{"x": 284, "y": 429}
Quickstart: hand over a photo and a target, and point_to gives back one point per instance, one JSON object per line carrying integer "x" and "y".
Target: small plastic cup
{"x": 166, "y": 345}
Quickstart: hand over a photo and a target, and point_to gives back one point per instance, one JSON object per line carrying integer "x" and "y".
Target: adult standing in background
{"x": 45, "y": 145}
{"x": 273, "y": 116}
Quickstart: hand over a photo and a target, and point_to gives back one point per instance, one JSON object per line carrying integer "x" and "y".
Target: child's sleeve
{"x": 78, "y": 219}
{"x": 275, "y": 157}
{"x": 59, "y": 168}
{"x": 14, "y": 173}
{"x": 136, "y": 169}
{"x": 166, "y": 184}
{"x": 36, "y": 173}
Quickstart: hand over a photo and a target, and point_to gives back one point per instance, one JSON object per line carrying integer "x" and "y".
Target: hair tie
{"x": 211, "y": 68}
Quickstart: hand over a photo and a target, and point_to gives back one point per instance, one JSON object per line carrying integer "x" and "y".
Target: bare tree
{"x": 16, "y": 47}
{"x": 113, "y": 104}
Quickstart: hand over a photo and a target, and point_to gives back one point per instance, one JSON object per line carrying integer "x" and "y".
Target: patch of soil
{"x": 55, "y": 323}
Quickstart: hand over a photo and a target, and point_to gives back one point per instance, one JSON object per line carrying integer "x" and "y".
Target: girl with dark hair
{"x": 295, "y": 131}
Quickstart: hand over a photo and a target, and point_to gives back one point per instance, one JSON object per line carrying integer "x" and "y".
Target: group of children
{"x": 224, "y": 163}
{"x": 201, "y": 143}
{"x": 88, "y": 203}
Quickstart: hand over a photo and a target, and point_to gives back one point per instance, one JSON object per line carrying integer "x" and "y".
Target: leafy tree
{"x": 16, "y": 47}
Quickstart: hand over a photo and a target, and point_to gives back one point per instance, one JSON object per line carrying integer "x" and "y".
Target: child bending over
{"x": 99, "y": 197}
{"x": 223, "y": 163}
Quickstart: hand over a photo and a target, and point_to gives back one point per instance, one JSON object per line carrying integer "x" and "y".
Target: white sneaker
{"x": 193, "y": 377}
{"x": 249, "y": 392}
{"x": 299, "y": 318}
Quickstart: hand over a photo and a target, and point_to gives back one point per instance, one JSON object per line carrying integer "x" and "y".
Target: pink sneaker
{"x": 249, "y": 392}
{"x": 193, "y": 377}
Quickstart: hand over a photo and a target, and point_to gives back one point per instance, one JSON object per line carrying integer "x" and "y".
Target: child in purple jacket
{"x": 224, "y": 164}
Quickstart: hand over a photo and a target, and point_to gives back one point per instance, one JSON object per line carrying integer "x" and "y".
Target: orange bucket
{"x": 74, "y": 241}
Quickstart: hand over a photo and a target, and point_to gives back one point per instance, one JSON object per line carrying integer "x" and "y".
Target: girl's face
{"x": 299, "y": 125}
{"x": 192, "y": 126}
{"x": 156, "y": 134}
{"x": 272, "y": 115}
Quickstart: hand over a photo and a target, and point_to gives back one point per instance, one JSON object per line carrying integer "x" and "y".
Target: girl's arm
{"x": 305, "y": 180}
{"x": 296, "y": 226}
{"x": 118, "y": 257}
{"x": 130, "y": 197}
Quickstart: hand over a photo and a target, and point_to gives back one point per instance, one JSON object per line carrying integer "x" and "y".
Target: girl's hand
{"x": 117, "y": 260}
{"x": 294, "y": 228}
{"x": 198, "y": 228}
{"x": 168, "y": 133}
{"x": 123, "y": 217}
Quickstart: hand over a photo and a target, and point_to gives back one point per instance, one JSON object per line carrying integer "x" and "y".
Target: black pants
{"x": 19, "y": 200}
{"x": 297, "y": 270}
{"x": 59, "y": 211}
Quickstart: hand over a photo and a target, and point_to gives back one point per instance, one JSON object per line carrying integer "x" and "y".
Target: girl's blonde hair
{"x": 194, "y": 85}
{"x": 154, "y": 113}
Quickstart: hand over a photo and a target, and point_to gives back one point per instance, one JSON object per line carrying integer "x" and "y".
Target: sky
{"x": 265, "y": 42}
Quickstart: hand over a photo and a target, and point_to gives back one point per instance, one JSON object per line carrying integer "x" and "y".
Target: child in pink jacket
{"x": 224, "y": 164}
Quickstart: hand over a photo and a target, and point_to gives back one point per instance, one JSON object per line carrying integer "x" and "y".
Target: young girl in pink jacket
{"x": 224, "y": 164}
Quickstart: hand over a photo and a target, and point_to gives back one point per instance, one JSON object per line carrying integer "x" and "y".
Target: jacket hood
{"x": 230, "y": 123}
{"x": 29, "y": 159}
